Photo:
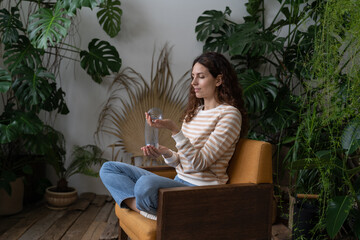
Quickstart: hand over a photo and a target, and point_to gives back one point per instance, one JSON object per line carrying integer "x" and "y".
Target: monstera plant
{"x": 35, "y": 37}
{"x": 267, "y": 55}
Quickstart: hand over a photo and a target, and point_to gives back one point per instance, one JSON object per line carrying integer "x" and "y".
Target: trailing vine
{"x": 328, "y": 138}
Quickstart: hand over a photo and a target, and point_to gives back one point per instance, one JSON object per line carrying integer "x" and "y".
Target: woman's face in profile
{"x": 203, "y": 82}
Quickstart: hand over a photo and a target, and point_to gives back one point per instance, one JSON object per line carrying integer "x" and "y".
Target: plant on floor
{"x": 82, "y": 161}
{"x": 35, "y": 37}
{"x": 126, "y": 121}
{"x": 328, "y": 138}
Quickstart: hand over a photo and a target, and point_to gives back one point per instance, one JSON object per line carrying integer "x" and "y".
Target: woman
{"x": 213, "y": 122}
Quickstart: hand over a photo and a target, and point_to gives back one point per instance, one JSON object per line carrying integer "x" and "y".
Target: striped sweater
{"x": 206, "y": 144}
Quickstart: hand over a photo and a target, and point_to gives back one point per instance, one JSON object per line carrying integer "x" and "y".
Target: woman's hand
{"x": 153, "y": 152}
{"x": 162, "y": 123}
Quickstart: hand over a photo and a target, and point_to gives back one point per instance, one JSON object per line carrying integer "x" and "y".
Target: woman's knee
{"x": 108, "y": 168}
{"x": 146, "y": 186}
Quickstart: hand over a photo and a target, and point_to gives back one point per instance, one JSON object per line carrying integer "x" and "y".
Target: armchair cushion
{"x": 136, "y": 226}
{"x": 251, "y": 162}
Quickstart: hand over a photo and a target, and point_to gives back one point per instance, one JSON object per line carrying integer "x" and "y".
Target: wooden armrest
{"x": 232, "y": 211}
{"x": 164, "y": 171}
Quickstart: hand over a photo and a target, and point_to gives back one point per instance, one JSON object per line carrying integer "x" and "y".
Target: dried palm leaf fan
{"x": 131, "y": 96}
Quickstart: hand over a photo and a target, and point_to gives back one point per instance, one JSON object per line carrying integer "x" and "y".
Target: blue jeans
{"x": 127, "y": 181}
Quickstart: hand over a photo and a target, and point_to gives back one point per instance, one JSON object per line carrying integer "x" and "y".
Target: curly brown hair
{"x": 229, "y": 91}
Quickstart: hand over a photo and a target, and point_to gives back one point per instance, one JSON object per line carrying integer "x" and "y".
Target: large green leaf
{"x": 100, "y": 60}
{"x": 55, "y": 101}
{"x": 280, "y": 113}
{"x": 350, "y": 138}
{"x": 5, "y": 80}
{"x": 248, "y": 39}
{"x": 9, "y": 132}
{"x": 32, "y": 86}
{"x": 253, "y": 7}
{"x": 109, "y": 17}
{"x": 48, "y": 26}
{"x": 337, "y": 211}
{"x": 219, "y": 41}
{"x": 258, "y": 89}
{"x": 210, "y": 22}
{"x": 9, "y": 25}
{"x": 72, "y": 5}
{"x": 22, "y": 53}
{"x": 20, "y": 124}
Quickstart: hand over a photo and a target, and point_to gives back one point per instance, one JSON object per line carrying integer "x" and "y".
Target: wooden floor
{"x": 92, "y": 217}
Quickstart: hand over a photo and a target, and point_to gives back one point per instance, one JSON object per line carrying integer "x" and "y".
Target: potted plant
{"x": 83, "y": 159}
{"x": 33, "y": 46}
{"x": 17, "y": 158}
{"x": 328, "y": 138}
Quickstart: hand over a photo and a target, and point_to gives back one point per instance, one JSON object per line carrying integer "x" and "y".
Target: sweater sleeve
{"x": 226, "y": 132}
{"x": 172, "y": 161}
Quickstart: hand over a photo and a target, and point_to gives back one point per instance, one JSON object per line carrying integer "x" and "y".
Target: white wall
{"x": 145, "y": 24}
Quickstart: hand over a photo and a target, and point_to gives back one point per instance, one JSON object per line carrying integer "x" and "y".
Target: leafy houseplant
{"x": 310, "y": 102}
{"x": 83, "y": 159}
{"x": 328, "y": 138}
{"x": 34, "y": 44}
{"x": 269, "y": 56}
{"x": 268, "y": 65}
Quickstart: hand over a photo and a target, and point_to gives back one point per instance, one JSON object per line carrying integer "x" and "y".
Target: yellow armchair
{"x": 241, "y": 209}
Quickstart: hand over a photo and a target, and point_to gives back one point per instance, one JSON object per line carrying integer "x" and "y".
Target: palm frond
{"x": 131, "y": 96}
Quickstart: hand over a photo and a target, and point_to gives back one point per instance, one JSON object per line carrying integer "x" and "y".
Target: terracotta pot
{"x": 14, "y": 203}
{"x": 60, "y": 200}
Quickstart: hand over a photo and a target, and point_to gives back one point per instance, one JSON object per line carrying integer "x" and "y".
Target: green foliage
{"x": 29, "y": 88}
{"x": 302, "y": 90}
{"x": 84, "y": 158}
{"x": 9, "y": 25}
{"x": 329, "y": 136}
{"x": 249, "y": 39}
{"x": 211, "y": 22}
{"x": 32, "y": 86}
{"x": 100, "y": 58}
{"x": 337, "y": 212}
{"x": 48, "y": 26}
{"x": 5, "y": 80}
{"x": 350, "y": 139}
{"x": 22, "y": 53}
{"x": 256, "y": 89}
{"x": 21, "y": 123}
{"x": 254, "y": 48}
{"x": 72, "y": 5}
{"x": 109, "y": 17}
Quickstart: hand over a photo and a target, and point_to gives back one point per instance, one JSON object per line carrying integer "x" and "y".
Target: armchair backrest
{"x": 251, "y": 162}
